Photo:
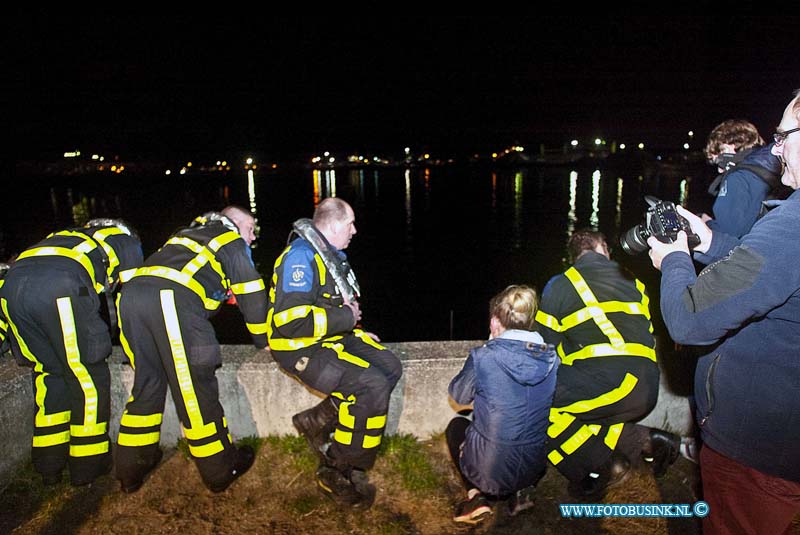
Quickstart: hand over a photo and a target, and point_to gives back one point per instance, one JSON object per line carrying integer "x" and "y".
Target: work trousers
{"x": 170, "y": 342}
{"x": 57, "y": 329}
{"x": 359, "y": 376}
{"x": 744, "y": 500}
{"x": 591, "y": 407}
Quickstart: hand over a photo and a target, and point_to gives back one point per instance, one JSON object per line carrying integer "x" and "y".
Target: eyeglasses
{"x": 780, "y": 137}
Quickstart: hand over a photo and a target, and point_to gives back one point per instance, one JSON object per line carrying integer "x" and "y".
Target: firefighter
{"x": 597, "y": 314}
{"x": 57, "y": 301}
{"x": 314, "y": 336}
{"x": 168, "y": 337}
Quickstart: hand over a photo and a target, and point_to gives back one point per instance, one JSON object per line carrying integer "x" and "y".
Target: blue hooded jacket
{"x": 738, "y": 203}
{"x": 511, "y": 380}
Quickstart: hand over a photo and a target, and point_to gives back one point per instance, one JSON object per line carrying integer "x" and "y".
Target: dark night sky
{"x": 291, "y": 85}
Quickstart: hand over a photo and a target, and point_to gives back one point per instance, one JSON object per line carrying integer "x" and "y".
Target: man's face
{"x": 789, "y": 150}
{"x": 246, "y": 225}
{"x": 343, "y": 231}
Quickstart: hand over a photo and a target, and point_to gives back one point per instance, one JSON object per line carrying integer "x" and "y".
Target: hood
{"x": 525, "y": 359}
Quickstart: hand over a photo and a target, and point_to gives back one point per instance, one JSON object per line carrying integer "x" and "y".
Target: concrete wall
{"x": 259, "y": 399}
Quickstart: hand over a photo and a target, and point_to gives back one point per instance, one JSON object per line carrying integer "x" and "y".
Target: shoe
{"x": 316, "y": 425}
{"x": 474, "y": 509}
{"x": 521, "y": 500}
{"x": 245, "y": 456}
{"x": 595, "y": 484}
{"x": 689, "y": 450}
{"x": 349, "y": 487}
{"x": 130, "y": 486}
{"x": 665, "y": 448}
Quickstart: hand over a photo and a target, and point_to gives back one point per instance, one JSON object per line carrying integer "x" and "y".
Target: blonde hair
{"x": 515, "y": 307}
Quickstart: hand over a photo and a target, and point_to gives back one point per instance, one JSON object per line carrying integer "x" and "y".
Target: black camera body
{"x": 663, "y": 221}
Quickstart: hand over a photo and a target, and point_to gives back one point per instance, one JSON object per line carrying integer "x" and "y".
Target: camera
{"x": 663, "y": 221}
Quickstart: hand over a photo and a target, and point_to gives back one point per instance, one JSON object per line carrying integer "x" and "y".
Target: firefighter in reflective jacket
{"x": 313, "y": 336}
{"x": 57, "y": 302}
{"x": 168, "y": 337}
{"x": 598, "y": 317}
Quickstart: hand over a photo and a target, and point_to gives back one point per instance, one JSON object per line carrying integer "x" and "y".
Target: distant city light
{"x": 691, "y": 133}
{"x": 183, "y": 170}
{"x": 598, "y": 141}
{"x": 407, "y": 150}
{"x": 72, "y": 154}
{"x": 574, "y": 142}
{"x": 188, "y": 164}
{"x": 686, "y": 146}
{"x": 168, "y": 172}
{"x": 622, "y": 146}
{"x": 641, "y": 146}
{"x": 249, "y": 161}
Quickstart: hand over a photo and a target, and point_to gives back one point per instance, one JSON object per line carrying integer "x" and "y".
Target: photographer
{"x": 747, "y": 302}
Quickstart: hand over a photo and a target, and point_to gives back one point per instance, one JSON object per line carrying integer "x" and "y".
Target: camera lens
{"x": 634, "y": 241}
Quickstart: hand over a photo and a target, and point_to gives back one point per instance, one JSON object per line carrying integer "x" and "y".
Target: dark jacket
{"x": 210, "y": 263}
{"x": 748, "y": 303}
{"x": 511, "y": 380}
{"x": 738, "y": 203}
{"x": 305, "y": 303}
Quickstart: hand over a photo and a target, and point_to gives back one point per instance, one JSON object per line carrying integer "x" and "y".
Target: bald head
{"x": 335, "y": 219}
{"x": 244, "y": 222}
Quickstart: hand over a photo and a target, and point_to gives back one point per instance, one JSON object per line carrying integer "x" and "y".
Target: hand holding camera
{"x": 663, "y": 221}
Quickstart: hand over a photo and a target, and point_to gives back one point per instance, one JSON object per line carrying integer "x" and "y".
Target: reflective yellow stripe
{"x": 584, "y": 314}
{"x": 256, "y": 328}
{"x": 49, "y": 420}
{"x": 548, "y": 321}
{"x": 579, "y": 438}
{"x": 208, "y": 430}
{"x": 87, "y": 450}
{"x": 345, "y": 356}
{"x": 222, "y": 240}
{"x": 596, "y": 312}
{"x": 77, "y": 256}
{"x": 249, "y": 287}
{"x": 134, "y": 440}
{"x": 559, "y": 421}
{"x": 606, "y": 350}
{"x": 113, "y": 260}
{"x": 44, "y": 441}
{"x": 290, "y": 344}
{"x": 343, "y": 437}
{"x": 291, "y": 314}
{"x": 367, "y": 339}
{"x": 555, "y": 457}
{"x": 179, "y": 359}
{"x": 376, "y": 422}
{"x": 89, "y": 430}
{"x": 22, "y": 345}
{"x": 603, "y": 400}
{"x": 612, "y": 437}
{"x": 323, "y": 272}
{"x": 207, "y": 450}
{"x": 90, "y": 396}
{"x": 345, "y": 418}
{"x": 645, "y": 300}
{"x": 371, "y": 442}
{"x": 202, "y": 257}
{"x": 181, "y": 278}
{"x": 127, "y": 274}
{"x": 141, "y": 420}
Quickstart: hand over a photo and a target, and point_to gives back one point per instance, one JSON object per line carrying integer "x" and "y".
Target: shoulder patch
{"x": 298, "y": 271}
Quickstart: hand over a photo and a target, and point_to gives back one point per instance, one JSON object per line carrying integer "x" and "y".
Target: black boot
{"x": 316, "y": 424}
{"x": 130, "y": 485}
{"x": 245, "y": 456}
{"x": 661, "y": 451}
{"x": 595, "y": 484}
{"x": 345, "y": 485}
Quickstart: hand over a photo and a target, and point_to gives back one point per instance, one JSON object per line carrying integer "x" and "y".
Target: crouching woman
{"x": 508, "y": 385}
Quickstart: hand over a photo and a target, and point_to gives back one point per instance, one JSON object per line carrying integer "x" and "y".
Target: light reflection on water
{"x": 433, "y": 244}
